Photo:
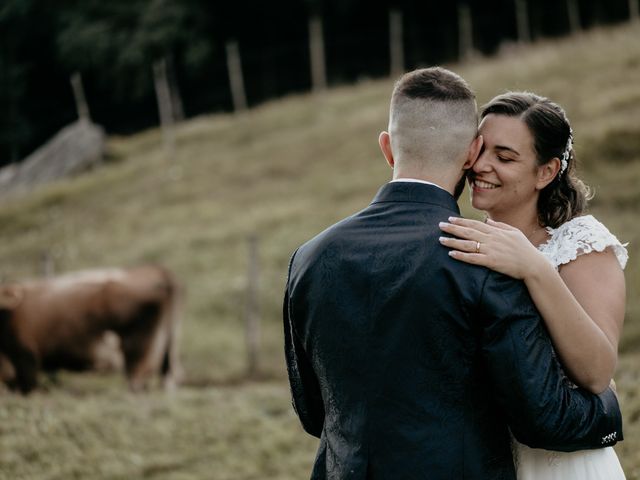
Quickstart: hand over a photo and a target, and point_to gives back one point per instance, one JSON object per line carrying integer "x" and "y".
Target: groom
{"x": 410, "y": 365}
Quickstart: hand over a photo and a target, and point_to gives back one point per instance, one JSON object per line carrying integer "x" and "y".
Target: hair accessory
{"x": 564, "y": 163}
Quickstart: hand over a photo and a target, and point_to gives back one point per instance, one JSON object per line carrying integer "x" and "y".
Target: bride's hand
{"x": 495, "y": 245}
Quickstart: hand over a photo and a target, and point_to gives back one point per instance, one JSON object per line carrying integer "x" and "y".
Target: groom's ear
{"x": 474, "y": 152}
{"x": 384, "y": 140}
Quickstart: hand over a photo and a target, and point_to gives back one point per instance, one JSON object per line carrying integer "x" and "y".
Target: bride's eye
{"x": 505, "y": 159}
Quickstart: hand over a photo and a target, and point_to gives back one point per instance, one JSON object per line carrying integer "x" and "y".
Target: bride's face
{"x": 505, "y": 176}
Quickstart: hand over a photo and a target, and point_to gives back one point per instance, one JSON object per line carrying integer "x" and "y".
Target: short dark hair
{"x": 434, "y": 83}
{"x": 566, "y": 196}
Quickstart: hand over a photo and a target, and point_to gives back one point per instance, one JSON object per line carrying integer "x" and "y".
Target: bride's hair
{"x": 566, "y": 196}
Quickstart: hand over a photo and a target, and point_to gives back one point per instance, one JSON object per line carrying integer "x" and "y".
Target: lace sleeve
{"x": 582, "y": 235}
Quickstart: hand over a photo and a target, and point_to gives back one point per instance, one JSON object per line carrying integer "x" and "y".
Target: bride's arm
{"x": 582, "y": 306}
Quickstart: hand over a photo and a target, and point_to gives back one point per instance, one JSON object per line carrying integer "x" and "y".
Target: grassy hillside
{"x": 283, "y": 172}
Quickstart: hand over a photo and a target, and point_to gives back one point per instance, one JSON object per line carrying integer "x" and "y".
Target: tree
{"x": 121, "y": 40}
{"x": 29, "y": 84}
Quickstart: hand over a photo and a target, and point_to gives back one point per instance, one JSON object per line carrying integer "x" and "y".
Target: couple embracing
{"x": 421, "y": 345}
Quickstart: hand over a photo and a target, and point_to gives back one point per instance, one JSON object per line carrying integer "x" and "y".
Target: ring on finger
{"x": 477, "y": 247}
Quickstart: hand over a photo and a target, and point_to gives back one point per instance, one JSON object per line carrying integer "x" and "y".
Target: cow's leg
{"x": 143, "y": 356}
{"x": 25, "y": 364}
{"x": 143, "y": 346}
{"x": 7, "y": 372}
{"x": 171, "y": 370}
{"x": 133, "y": 351}
{"x": 168, "y": 372}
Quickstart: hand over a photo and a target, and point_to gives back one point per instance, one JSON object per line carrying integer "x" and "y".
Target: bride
{"x": 524, "y": 179}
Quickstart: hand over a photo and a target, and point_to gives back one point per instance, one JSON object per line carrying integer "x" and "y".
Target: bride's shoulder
{"x": 583, "y": 224}
{"x": 582, "y": 235}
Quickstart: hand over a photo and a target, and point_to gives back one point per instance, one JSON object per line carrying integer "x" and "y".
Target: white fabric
{"x": 537, "y": 464}
{"x": 578, "y": 236}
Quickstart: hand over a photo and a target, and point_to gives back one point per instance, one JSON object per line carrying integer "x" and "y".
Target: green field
{"x": 283, "y": 171}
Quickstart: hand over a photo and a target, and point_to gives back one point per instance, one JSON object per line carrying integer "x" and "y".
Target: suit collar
{"x": 414, "y": 192}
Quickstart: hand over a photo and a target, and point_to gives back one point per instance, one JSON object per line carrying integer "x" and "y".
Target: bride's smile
{"x": 478, "y": 185}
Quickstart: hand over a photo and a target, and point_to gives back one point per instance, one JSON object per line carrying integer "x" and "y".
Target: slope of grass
{"x": 283, "y": 171}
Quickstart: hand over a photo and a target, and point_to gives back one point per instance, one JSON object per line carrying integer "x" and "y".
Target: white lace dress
{"x": 578, "y": 236}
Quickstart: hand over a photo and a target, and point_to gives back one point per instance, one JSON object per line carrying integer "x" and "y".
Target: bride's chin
{"x": 479, "y": 206}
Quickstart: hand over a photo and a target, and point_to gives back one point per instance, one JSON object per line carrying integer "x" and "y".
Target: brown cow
{"x": 66, "y": 322}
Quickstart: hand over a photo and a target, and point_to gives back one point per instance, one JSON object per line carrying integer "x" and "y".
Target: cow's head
{"x": 18, "y": 364}
{"x": 10, "y": 297}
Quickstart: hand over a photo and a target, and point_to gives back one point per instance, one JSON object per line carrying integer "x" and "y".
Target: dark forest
{"x": 113, "y": 45}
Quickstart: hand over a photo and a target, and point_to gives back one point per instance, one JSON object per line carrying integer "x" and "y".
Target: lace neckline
{"x": 541, "y": 246}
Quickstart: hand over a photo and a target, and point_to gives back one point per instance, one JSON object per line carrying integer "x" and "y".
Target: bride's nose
{"x": 483, "y": 163}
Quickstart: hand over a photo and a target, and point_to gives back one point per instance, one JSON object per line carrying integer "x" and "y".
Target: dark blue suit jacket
{"x": 411, "y": 365}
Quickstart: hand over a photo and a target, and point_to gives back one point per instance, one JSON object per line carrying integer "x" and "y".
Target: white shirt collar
{"x": 416, "y": 180}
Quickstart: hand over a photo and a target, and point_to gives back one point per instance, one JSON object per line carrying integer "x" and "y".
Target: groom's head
{"x": 433, "y": 125}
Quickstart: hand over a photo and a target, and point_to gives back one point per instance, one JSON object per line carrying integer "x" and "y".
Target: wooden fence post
{"x": 236, "y": 79}
{"x": 396, "y": 44}
{"x": 316, "y": 52}
{"x": 465, "y": 32}
{"x": 252, "y": 309}
{"x": 78, "y": 94}
{"x": 48, "y": 266}
{"x": 574, "y": 16}
{"x": 522, "y": 21}
{"x": 165, "y": 107}
{"x": 174, "y": 91}
{"x": 634, "y": 15}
